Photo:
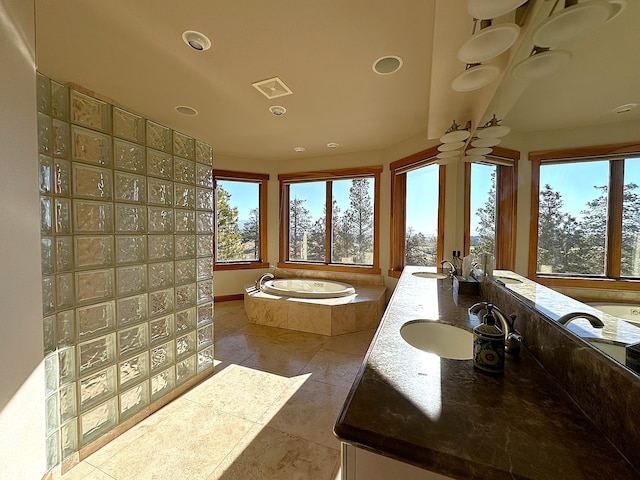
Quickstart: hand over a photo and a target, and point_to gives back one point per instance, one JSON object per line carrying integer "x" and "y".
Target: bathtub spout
{"x": 263, "y": 277}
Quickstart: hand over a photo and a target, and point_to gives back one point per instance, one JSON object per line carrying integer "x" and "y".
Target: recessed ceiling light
{"x": 196, "y": 40}
{"x": 333, "y": 145}
{"x": 387, "y": 65}
{"x": 625, "y": 108}
{"x": 277, "y": 110}
{"x": 299, "y": 149}
{"x": 184, "y": 110}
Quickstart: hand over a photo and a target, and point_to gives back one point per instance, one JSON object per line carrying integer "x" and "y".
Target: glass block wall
{"x": 127, "y": 242}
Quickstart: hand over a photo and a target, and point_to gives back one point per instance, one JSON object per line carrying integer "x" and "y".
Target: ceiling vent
{"x": 272, "y": 88}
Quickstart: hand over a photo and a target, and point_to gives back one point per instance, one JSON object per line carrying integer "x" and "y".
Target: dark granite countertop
{"x": 445, "y": 416}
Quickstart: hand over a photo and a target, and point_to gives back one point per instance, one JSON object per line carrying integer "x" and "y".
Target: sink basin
{"x": 444, "y": 340}
{"x": 614, "y": 350}
{"x": 430, "y": 275}
{"x": 507, "y": 280}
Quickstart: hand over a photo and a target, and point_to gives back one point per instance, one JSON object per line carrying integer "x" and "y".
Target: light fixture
{"x": 475, "y": 76}
{"x": 449, "y": 154}
{"x": 479, "y": 151}
{"x": 456, "y": 134}
{"x": 446, "y": 161}
{"x": 572, "y": 21}
{"x": 277, "y": 110}
{"x": 489, "y": 42}
{"x": 447, "y": 147}
{"x": 196, "y": 40}
{"x": 299, "y": 149}
{"x": 185, "y": 110}
{"x": 493, "y": 129}
{"x": 485, "y": 9}
{"x": 540, "y": 63}
{"x": 625, "y": 108}
{"x": 485, "y": 142}
{"x": 387, "y": 65}
{"x": 474, "y": 158}
{"x": 333, "y": 145}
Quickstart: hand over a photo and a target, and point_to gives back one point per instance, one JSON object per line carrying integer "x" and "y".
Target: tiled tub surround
{"x": 445, "y": 416}
{"x": 127, "y": 232}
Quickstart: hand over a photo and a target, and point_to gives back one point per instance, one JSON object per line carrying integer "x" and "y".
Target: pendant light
{"x": 493, "y": 129}
{"x": 456, "y": 134}
{"x": 447, "y": 147}
{"x": 484, "y": 9}
{"x": 485, "y": 142}
{"x": 489, "y": 42}
{"x": 479, "y": 151}
{"x": 540, "y": 63}
{"x": 475, "y": 77}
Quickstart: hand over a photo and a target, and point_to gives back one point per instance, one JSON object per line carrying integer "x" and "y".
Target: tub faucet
{"x": 263, "y": 277}
{"x": 512, "y": 338}
{"x": 593, "y": 320}
{"x": 452, "y": 268}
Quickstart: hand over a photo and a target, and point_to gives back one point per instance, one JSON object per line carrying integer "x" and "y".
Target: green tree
{"x": 420, "y": 250}
{"x": 228, "y": 235}
{"x": 359, "y": 221}
{"x": 487, "y": 221}
{"x": 630, "y": 231}
{"x": 251, "y": 232}
{"x": 299, "y": 226}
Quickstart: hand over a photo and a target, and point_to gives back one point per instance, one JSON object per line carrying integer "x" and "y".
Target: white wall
{"x": 22, "y": 453}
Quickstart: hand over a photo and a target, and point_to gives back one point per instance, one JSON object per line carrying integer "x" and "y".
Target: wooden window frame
{"x": 262, "y": 180}
{"x": 399, "y": 169}
{"x": 287, "y": 179}
{"x": 615, "y": 153}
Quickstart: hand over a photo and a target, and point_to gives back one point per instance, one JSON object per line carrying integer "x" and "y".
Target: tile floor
{"x": 267, "y": 413}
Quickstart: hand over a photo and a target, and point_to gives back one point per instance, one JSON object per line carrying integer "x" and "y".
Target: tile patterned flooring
{"x": 266, "y": 413}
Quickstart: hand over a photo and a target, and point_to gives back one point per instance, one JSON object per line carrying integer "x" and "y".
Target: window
{"x": 343, "y": 236}
{"x": 241, "y": 220}
{"x": 586, "y": 216}
{"x": 417, "y": 200}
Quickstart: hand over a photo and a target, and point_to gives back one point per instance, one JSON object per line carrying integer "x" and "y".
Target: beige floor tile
{"x": 282, "y": 359}
{"x": 239, "y": 346}
{"x": 84, "y": 471}
{"x": 354, "y": 343}
{"x": 336, "y": 368}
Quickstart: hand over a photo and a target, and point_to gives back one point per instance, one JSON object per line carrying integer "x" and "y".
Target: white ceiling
{"x": 131, "y": 52}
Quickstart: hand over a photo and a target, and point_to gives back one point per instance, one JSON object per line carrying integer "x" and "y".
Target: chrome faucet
{"x": 512, "y": 338}
{"x": 452, "y": 268}
{"x": 263, "y": 277}
{"x": 593, "y": 320}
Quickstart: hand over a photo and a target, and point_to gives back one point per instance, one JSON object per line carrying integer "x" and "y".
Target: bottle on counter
{"x": 488, "y": 345}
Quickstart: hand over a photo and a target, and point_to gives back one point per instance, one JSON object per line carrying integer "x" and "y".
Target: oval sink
{"x": 436, "y": 275}
{"x": 441, "y": 339}
{"x": 508, "y": 280}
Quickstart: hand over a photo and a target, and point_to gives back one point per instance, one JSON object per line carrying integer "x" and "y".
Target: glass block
{"x": 132, "y": 310}
{"x": 131, "y": 279}
{"x": 61, "y": 177}
{"x": 159, "y": 164}
{"x": 90, "y": 147}
{"x": 59, "y": 101}
{"x": 184, "y": 196}
{"x": 204, "y": 199}
{"x": 66, "y": 330}
{"x": 186, "y": 345}
{"x": 52, "y": 447}
{"x": 91, "y": 182}
{"x": 205, "y": 359}
{"x": 185, "y": 369}
{"x": 97, "y": 387}
{"x": 160, "y": 220}
{"x": 205, "y": 291}
{"x": 46, "y": 215}
{"x": 60, "y": 138}
{"x": 90, "y": 112}
{"x": 93, "y": 252}
{"x": 162, "y": 356}
{"x": 48, "y": 295}
{"x": 130, "y": 188}
{"x": 162, "y": 383}
{"x": 131, "y": 249}
{"x": 43, "y": 93}
{"x": 204, "y": 153}
{"x": 205, "y": 336}
{"x": 134, "y": 400}
{"x": 50, "y": 374}
{"x": 94, "y": 285}
{"x": 205, "y": 245}
{"x": 204, "y": 175}
{"x": 63, "y": 215}
{"x": 185, "y": 271}
{"x": 69, "y": 438}
{"x": 158, "y": 137}
{"x": 98, "y": 421}
{"x": 128, "y": 156}
{"x": 185, "y": 246}
{"x": 44, "y": 133}
{"x": 185, "y": 220}
{"x": 185, "y": 320}
{"x": 96, "y": 320}
{"x": 49, "y": 331}
{"x": 160, "y": 192}
{"x": 68, "y": 408}
{"x": 127, "y": 125}
{"x": 64, "y": 291}
{"x": 96, "y": 354}
{"x": 66, "y": 365}
{"x": 47, "y": 262}
{"x": 92, "y": 217}
{"x": 161, "y": 302}
{"x": 134, "y": 369}
{"x": 132, "y": 340}
{"x": 205, "y": 268}
{"x": 160, "y": 247}
{"x": 183, "y": 145}
{"x": 64, "y": 254}
{"x": 205, "y": 222}
{"x": 160, "y": 275}
{"x": 131, "y": 218}
{"x": 44, "y": 174}
{"x": 161, "y": 329}
{"x": 185, "y": 296}
{"x": 184, "y": 171}
{"x": 205, "y": 313}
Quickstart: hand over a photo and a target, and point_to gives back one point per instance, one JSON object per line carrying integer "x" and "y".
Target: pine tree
{"x": 420, "y": 250}
{"x": 251, "y": 232}
{"x": 299, "y": 226}
{"x": 487, "y": 221}
{"x": 359, "y": 218}
{"x": 229, "y": 237}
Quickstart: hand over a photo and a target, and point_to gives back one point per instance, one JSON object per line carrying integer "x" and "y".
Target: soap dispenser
{"x": 488, "y": 345}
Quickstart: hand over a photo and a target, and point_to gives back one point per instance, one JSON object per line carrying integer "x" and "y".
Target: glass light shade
{"x": 446, "y": 147}
{"x": 571, "y": 22}
{"x": 494, "y": 131}
{"x": 479, "y": 151}
{"x": 489, "y": 42}
{"x": 474, "y": 158}
{"x": 541, "y": 64}
{"x": 475, "y": 77}
{"x": 446, "y": 161}
{"x": 455, "y": 134}
{"x": 486, "y": 9}
{"x": 449, "y": 154}
{"x": 485, "y": 142}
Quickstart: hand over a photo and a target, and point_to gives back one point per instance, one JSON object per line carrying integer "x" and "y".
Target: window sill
{"x": 587, "y": 282}
{"x": 240, "y": 266}
{"x": 331, "y": 267}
